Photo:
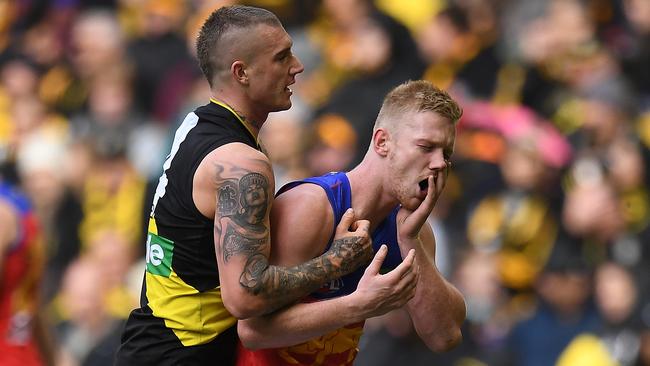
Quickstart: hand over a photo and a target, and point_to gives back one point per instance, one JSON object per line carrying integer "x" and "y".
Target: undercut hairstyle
{"x": 218, "y": 24}
{"x": 417, "y": 96}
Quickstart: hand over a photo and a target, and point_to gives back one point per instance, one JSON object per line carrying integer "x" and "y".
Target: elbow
{"x": 445, "y": 342}
{"x": 242, "y": 307}
{"x": 248, "y": 336}
{"x": 453, "y": 336}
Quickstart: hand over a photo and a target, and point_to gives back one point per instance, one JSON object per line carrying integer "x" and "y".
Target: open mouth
{"x": 424, "y": 185}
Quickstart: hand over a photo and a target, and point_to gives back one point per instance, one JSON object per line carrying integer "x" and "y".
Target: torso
{"x": 341, "y": 346}
{"x": 182, "y": 317}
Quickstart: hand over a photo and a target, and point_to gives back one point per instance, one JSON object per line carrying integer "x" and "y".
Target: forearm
{"x": 297, "y": 323}
{"x": 276, "y": 286}
{"x": 437, "y": 309}
{"x": 264, "y": 288}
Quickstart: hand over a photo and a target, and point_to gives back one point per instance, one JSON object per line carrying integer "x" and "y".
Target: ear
{"x": 238, "y": 70}
{"x": 380, "y": 140}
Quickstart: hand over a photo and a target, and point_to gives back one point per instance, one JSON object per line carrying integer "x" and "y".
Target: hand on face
{"x": 409, "y": 222}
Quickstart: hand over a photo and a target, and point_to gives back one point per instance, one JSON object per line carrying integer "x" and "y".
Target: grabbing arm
{"x": 376, "y": 295}
{"x": 243, "y": 187}
{"x": 301, "y": 231}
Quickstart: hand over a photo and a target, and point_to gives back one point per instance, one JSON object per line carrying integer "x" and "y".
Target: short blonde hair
{"x": 417, "y": 96}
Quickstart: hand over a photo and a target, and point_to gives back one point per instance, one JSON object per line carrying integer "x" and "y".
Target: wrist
{"x": 353, "y": 309}
{"x": 407, "y": 243}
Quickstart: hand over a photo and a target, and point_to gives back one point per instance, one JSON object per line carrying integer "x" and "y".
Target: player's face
{"x": 421, "y": 146}
{"x": 272, "y": 70}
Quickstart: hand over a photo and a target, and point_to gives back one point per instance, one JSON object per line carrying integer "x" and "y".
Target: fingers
{"x": 374, "y": 266}
{"x": 346, "y": 222}
{"x": 409, "y": 283}
{"x": 403, "y": 268}
{"x": 432, "y": 192}
{"x": 420, "y": 215}
{"x": 361, "y": 227}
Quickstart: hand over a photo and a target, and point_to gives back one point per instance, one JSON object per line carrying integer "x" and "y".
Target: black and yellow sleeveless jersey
{"x": 182, "y": 320}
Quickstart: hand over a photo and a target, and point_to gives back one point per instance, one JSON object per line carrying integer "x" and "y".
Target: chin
{"x": 411, "y": 204}
{"x": 282, "y": 107}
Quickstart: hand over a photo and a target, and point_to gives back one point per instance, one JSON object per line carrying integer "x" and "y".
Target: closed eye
{"x": 283, "y": 55}
{"x": 426, "y": 148}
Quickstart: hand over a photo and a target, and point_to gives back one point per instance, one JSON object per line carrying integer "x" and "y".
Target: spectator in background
{"x": 379, "y": 52}
{"x": 333, "y": 144}
{"x": 85, "y": 322}
{"x": 24, "y": 340}
{"x": 563, "y": 311}
{"x": 42, "y": 162}
{"x": 163, "y": 69}
{"x": 285, "y": 142}
{"x": 519, "y": 223}
{"x": 460, "y": 57}
{"x": 618, "y": 298}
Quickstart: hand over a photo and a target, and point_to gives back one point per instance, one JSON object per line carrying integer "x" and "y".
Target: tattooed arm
{"x": 239, "y": 181}
{"x": 301, "y": 232}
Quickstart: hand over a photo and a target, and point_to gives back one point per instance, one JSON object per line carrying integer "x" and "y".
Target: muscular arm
{"x": 241, "y": 179}
{"x": 438, "y": 308}
{"x": 302, "y": 231}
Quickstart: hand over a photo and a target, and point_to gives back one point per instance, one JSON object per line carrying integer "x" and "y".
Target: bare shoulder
{"x": 236, "y": 158}
{"x": 226, "y": 166}
{"x": 302, "y": 222}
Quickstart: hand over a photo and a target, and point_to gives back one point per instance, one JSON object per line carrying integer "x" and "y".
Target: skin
{"x": 8, "y": 229}
{"x": 234, "y": 186}
{"x": 417, "y": 150}
{"x": 9, "y": 224}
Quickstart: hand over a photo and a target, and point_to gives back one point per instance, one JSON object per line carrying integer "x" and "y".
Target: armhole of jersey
{"x": 337, "y": 209}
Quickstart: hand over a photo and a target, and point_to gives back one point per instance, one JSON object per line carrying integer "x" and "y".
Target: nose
{"x": 297, "y": 67}
{"x": 438, "y": 161}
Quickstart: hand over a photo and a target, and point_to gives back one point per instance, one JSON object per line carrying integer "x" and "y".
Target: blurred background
{"x": 544, "y": 224}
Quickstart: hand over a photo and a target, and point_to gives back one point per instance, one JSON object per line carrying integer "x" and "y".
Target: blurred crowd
{"x": 544, "y": 224}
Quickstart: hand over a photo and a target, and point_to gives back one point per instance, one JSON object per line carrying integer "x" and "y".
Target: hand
{"x": 377, "y": 294}
{"x": 351, "y": 249}
{"x": 410, "y": 222}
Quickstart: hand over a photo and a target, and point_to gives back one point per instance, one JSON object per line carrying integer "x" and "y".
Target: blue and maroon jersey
{"x": 341, "y": 346}
{"x": 21, "y": 272}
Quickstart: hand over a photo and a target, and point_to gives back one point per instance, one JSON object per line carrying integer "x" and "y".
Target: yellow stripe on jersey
{"x": 152, "y": 226}
{"x": 194, "y": 317}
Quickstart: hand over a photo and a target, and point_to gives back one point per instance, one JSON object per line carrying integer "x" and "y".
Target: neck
{"x": 251, "y": 120}
{"x": 370, "y": 199}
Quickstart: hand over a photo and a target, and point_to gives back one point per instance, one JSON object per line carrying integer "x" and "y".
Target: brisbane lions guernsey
{"x": 339, "y": 347}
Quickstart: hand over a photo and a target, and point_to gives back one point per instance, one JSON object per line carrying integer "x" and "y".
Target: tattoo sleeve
{"x": 241, "y": 229}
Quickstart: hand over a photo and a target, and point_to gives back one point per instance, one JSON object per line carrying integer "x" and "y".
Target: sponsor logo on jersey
{"x": 159, "y": 255}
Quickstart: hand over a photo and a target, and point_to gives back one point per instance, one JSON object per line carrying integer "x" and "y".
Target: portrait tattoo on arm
{"x": 243, "y": 206}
